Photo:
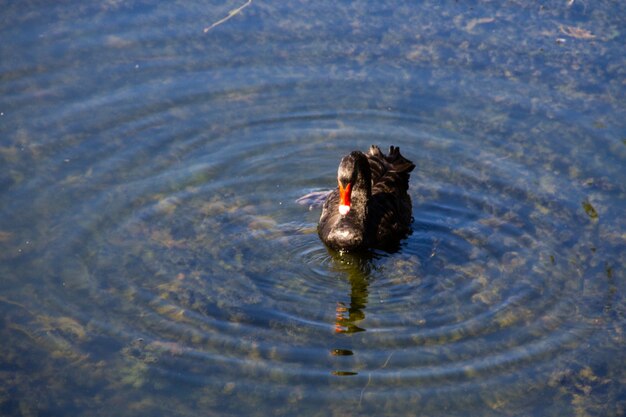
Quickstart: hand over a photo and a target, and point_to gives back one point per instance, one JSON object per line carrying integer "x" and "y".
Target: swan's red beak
{"x": 344, "y": 198}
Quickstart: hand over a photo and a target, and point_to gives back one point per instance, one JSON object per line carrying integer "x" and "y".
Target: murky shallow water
{"x": 155, "y": 261}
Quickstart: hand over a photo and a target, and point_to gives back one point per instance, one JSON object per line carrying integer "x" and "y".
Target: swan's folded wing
{"x": 390, "y": 173}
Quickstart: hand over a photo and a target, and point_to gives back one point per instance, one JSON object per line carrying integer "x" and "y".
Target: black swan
{"x": 371, "y": 207}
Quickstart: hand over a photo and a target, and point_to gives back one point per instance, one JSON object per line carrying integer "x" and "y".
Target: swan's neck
{"x": 362, "y": 190}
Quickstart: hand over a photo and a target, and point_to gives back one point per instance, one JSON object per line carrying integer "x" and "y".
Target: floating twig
{"x": 369, "y": 378}
{"x": 231, "y": 14}
{"x": 575, "y": 32}
{"x": 469, "y": 27}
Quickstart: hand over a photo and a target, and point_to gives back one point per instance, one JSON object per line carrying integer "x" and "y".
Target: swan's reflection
{"x": 348, "y": 315}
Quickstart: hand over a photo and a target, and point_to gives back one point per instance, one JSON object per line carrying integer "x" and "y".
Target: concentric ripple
{"x": 203, "y": 264}
{"x": 198, "y": 263}
{"x": 216, "y": 269}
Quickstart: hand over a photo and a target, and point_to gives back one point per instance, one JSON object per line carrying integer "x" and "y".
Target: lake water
{"x": 154, "y": 259}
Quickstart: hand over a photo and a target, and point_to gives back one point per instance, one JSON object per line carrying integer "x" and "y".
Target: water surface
{"x": 154, "y": 259}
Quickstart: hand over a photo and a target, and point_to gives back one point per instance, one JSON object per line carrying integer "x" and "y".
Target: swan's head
{"x": 353, "y": 172}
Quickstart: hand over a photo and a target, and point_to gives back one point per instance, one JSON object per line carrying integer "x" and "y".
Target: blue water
{"x": 155, "y": 259}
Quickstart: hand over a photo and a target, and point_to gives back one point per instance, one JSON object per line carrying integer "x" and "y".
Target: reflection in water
{"x": 348, "y": 315}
